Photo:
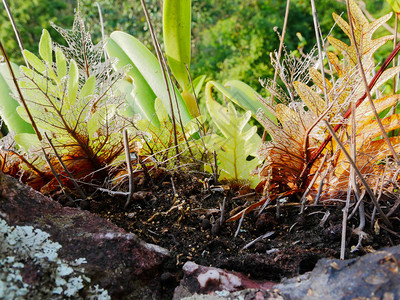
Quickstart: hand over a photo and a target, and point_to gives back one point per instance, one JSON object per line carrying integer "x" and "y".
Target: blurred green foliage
{"x": 31, "y": 17}
{"x": 230, "y": 39}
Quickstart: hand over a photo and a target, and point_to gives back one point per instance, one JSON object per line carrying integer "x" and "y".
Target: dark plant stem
{"x": 76, "y": 185}
{"x": 160, "y": 59}
{"x": 129, "y": 167}
{"x": 304, "y": 174}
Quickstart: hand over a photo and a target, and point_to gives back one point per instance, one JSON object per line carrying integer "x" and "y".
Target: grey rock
{"x": 372, "y": 276}
{"x": 117, "y": 261}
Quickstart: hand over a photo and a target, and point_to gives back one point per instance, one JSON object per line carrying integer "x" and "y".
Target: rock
{"x": 372, "y": 276}
{"x": 248, "y": 294}
{"x": 208, "y": 280}
{"x": 116, "y": 261}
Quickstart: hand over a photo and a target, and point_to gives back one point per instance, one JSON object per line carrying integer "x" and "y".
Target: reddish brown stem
{"x": 307, "y": 168}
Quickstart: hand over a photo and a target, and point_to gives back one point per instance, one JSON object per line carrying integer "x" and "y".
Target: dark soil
{"x": 182, "y": 213}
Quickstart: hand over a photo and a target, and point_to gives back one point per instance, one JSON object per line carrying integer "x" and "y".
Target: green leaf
{"x": 395, "y": 5}
{"x": 176, "y": 31}
{"x": 73, "y": 82}
{"x": 239, "y": 142}
{"x": 8, "y": 105}
{"x": 198, "y": 84}
{"x": 242, "y": 95}
{"x": 150, "y": 69}
{"x": 142, "y": 93}
{"x": 88, "y": 88}
{"x": 34, "y": 61}
{"x": 61, "y": 63}
{"x": 45, "y": 47}
{"x": 27, "y": 140}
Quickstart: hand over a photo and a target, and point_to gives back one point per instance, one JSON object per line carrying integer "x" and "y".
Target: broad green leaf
{"x": 176, "y": 31}
{"x": 149, "y": 67}
{"x": 73, "y": 82}
{"x": 242, "y": 95}
{"x": 34, "y": 61}
{"x": 395, "y": 5}
{"x": 124, "y": 89}
{"x": 239, "y": 142}
{"x": 191, "y": 103}
{"x": 198, "y": 84}
{"x": 45, "y": 47}
{"x": 141, "y": 93}
{"x": 61, "y": 63}
{"x": 8, "y": 105}
{"x": 27, "y": 140}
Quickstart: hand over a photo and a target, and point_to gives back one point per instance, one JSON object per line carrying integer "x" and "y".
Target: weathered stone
{"x": 117, "y": 261}
{"x": 372, "y": 276}
{"x": 208, "y": 280}
{"x": 248, "y": 294}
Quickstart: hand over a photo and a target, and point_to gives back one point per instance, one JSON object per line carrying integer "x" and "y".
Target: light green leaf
{"x": 61, "y": 63}
{"x": 34, "y": 61}
{"x": 149, "y": 68}
{"x": 395, "y": 5}
{"x": 27, "y": 140}
{"x": 176, "y": 31}
{"x": 88, "y": 88}
{"x": 242, "y": 95}
{"x": 239, "y": 142}
{"x": 198, "y": 84}
{"x": 45, "y": 47}
{"x": 141, "y": 93}
{"x": 8, "y": 105}
{"x": 73, "y": 82}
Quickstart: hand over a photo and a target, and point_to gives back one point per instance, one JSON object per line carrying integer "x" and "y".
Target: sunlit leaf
{"x": 45, "y": 47}
{"x": 176, "y": 32}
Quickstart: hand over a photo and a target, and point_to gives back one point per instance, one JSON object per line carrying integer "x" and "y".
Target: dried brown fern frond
{"x": 300, "y": 140}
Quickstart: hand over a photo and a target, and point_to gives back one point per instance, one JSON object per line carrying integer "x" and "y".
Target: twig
{"x": 264, "y": 206}
{"x": 344, "y": 222}
{"x": 21, "y": 97}
{"x": 160, "y": 59}
{"x": 145, "y": 171}
{"x": 70, "y": 177}
{"x": 56, "y": 175}
{"x": 173, "y": 186}
{"x": 216, "y": 175}
{"x": 240, "y": 224}
{"x": 16, "y": 31}
{"x": 221, "y": 221}
{"x": 243, "y": 196}
{"x": 129, "y": 167}
{"x": 268, "y": 234}
{"x": 280, "y": 47}
{"x": 370, "y": 193}
{"x": 304, "y": 196}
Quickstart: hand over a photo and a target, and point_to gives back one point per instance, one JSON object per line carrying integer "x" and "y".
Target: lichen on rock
{"x": 31, "y": 268}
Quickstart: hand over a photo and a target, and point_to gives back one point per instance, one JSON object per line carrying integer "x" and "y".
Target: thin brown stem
{"x": 70, "y": 177}
{"x": 160, "y": 59}
{"x": 360, "y": 176}
{"x": 129, "y": 167}
{"x": 21, "y": 97}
